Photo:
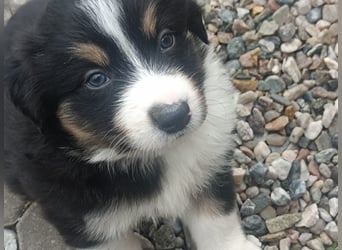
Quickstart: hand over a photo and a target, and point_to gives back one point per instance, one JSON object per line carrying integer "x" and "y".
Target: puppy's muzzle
{"x": 171, "y": 118}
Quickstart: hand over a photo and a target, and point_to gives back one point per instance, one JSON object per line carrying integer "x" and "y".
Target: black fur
{"x": 43, "y": 161}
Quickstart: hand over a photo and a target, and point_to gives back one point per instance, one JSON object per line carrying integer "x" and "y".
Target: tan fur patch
{"x": 69, "y": 123}
{"x": 150, "y": 20}
{"x": 90, "y": 52}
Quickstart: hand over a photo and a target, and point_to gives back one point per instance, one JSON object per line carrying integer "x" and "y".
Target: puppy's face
{"x": 123, "y": 76}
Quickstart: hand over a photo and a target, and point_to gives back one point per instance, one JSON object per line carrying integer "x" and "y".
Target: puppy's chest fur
{"x": 184, "y": 175}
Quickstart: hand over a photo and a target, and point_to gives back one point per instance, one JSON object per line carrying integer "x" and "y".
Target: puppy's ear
{"x": 195, "y": 21}
{"x": 21, "y": 83}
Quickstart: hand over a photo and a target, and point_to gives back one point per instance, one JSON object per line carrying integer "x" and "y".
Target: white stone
{"x": 330, "y": 63}
{"x": 316, "y": 244}
{"x": 241, "y": 12}
{"x": 282, "y": 167}
{"x": 304, "y": 238}
{"x": 332, "y": 230}
{"x": 333, "y": 204}
{"x": 309, "y": 216}
{"x": 296, "y": 134}
{"x": 313, "y": 130}
{"x": 285, "y": 244}
{"x": 261, "y": 151}
{"x": 303, "y": 6}
{"x": 290, "y": 67}
{"x": 328, "y": 114}
{"x": 10, "y": 242}
{"x": 291, "y": 46}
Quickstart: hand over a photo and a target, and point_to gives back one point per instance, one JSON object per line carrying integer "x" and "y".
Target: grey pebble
{"x": 324, "y": 215}
{"x": 227, "y": 16}
{"x": 323, "y": 141}
{"x": 316, "y": 244}
{"x": 240, "y": 157}
{"x": 296, "y": 133}
{"x": 330, "y": 13}
{"x": 271, "y": 115}
{"x": 329, "y": 114}
{"x": 284, "y": 244}
{"x": 318, "y": 227}
{"x": 276, "y": 140}
{"x": 244, "y": 131}
{"x": 333, "y": 204}
{"x": 164, "y": 238}
{"x": 247, "y": 97}
{"x": 261, "y": 201}
{"x": 232, "y": 66}
{"x": 304, "y": 238}
{"x": 254, "y": 225}
{"x": 289, "y": 2}
{"x": 252, "y": 191}
{"x": 257, "y": 122}
{"x": 267, "y": 46}
{"x": 247, "y": 208}
{"x": 303, "y": 6}
{"x": 303, "y": 120}
{"x": 280, "y": 99}
{"x": 235, "y": 48}
{"x": 258, "y": 173}
{"x": 282, "y": 222}
{"x": 324, "y": 170}
{"x": 268, "y": 213}
{"x": 281, "y": 15}
{"x": 280, "y": 197}
{"x": 332, "y": 230}
{"x": 268, "y": 28}
{"x": 326, "y": 155}
{"x": 314, "y": 15}
{"x": 328, "y": 186}
{"x": 275, "y": 84}
{"x": 286, "y": 32}
{"x": 316, "y": 194}
{"x": 297, "y": 189}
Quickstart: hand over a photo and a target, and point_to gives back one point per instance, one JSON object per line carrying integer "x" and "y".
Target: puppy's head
{"x": 118, "y": 76}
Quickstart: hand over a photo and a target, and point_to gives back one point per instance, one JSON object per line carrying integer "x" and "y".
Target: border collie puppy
{"x": 118, "y": 111}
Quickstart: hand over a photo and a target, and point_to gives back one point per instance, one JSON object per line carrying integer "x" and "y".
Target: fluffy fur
{"x": 92, "y": 157}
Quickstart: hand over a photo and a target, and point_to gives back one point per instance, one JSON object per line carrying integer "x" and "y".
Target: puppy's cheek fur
{"x": 150, "y": 90}
{"x": 70, "y": 122}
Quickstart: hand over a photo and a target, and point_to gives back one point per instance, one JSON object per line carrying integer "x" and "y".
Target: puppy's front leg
{"x": 213, "y": 219}
{"x": 217, "y": 232}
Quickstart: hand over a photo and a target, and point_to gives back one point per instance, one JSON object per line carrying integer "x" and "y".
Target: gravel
{"x": 282, "y": 56}
{"x": 288, "y": 59}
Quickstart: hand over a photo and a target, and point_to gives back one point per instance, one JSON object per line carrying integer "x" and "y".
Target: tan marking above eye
{"x": 90, "y": 52}
{"x": 149, "y": 21}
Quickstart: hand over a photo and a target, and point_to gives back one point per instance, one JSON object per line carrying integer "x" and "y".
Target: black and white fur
{"x": 92, "y": 157}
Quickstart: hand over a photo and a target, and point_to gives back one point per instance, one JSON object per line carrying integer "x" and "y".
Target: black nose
{"x": 171, "y": 118}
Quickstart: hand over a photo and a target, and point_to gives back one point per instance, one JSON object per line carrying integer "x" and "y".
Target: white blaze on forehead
{"x": 107, "y": 14}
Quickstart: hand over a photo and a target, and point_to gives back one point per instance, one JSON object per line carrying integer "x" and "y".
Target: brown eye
{"x": 167, "y": 41}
